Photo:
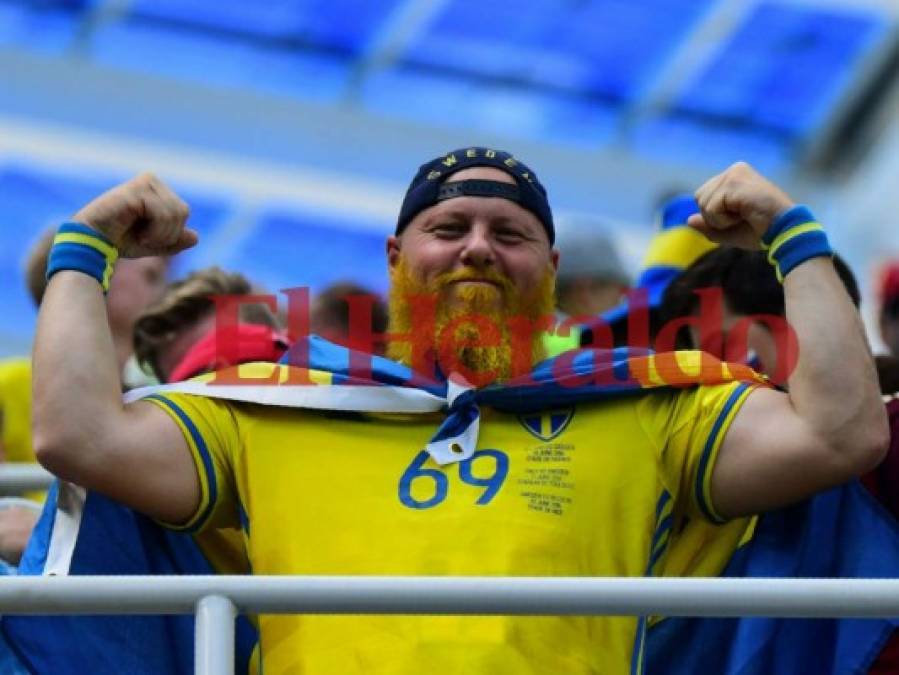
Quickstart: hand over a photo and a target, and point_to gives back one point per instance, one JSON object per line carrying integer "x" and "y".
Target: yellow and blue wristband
{"x": 794, "y": 237}
{"x": 79, "y": 248}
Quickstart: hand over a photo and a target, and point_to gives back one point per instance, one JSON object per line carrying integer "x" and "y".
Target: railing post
{"x": 214, "y": 637}
{"x": 17, "y": 478}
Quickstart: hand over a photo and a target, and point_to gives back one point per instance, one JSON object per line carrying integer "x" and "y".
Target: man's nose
{"x": 478, "y": 250}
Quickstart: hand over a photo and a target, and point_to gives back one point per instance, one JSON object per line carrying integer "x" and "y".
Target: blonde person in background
{"x": 205, "y": 322}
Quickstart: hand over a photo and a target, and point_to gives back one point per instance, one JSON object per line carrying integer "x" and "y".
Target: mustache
{"x": 488, "y": 275}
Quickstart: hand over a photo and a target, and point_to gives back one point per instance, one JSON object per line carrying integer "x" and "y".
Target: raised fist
{"x": 737, "y": 207}
{"x": 141, "y": 217}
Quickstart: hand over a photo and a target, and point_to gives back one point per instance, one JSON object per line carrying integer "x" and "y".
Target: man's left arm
{"x": 831, "y": 425}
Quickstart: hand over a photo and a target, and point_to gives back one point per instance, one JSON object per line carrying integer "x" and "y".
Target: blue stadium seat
{"x": 622, "y": 44}
{"x": 67, "y": 5}
{"x": 785, "y": 67}
{"x": 220, "y": 60}
{"x": 345, "y": 25}
{"x": 70, "y": 5}
{"x": 348, "y": 25}
{"x": 44, "y": 28}
{"x": 608, "y": 48}
{"x": 293, "y": 249}
{"x": 492, "y": 38}
{"x": 272, "y": 19}
{"x": 12, "y": 18}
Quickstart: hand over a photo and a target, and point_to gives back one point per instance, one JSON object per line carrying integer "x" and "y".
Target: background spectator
{"x": 137, "y": 284}
{"x": 330, "y": 313}
{"x": 888, "y": 318}
{"x": 184, "y": 335}
{"x": 749, "y": 288}
{"x": 591, "y": 276}
{"x": 591, "y": 279}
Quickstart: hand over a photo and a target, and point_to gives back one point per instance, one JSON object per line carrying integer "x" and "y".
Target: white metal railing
{"x": 17, "y": 478}
{"x": 216, "y": 600}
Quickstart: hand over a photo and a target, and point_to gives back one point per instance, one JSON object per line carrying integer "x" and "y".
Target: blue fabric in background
{"x": 841, "y": 533}
{"x": 9, "y": 662}
{"x": 115, "y": 540}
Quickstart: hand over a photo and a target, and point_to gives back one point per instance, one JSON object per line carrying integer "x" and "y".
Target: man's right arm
{"x": 83, "y": 433}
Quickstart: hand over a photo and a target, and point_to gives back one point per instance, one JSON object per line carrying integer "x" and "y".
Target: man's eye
{"x": 509, "y": 235}
{"x": 449, "y": 229}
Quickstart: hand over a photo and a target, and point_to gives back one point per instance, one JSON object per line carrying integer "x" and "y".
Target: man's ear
{"x": 393, "y": 251}
{"x": 554, "y": 258}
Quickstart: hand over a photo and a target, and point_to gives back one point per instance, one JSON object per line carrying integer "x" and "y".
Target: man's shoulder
{"x": 212, "y": 404}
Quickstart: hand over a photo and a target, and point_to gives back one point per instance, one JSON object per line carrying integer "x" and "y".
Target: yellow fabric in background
{"x": 15, "y": 404}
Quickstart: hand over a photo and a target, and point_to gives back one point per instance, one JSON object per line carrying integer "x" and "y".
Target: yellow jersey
{"x": 589, "y": 490}
{"x": 15, "y": 415}
{"x": 15, "y": 404}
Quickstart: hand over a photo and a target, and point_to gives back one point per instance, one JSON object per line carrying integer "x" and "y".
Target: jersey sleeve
{"x": 210, "y": 428}
{"x": 688, "y": 427}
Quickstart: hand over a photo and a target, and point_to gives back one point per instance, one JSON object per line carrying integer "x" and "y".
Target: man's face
{"x": 170, "y": 355}
{"x": 475, "y": 234}
{"x": 480, "y": 256}
{"x": 590, "y": 297}
{"x": 136, "y": 284}
{"x": 755, "y": 337}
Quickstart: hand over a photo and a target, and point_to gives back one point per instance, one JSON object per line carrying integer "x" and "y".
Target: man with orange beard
{"x": 552, "y": 484}
{"x": 468, "y": 305}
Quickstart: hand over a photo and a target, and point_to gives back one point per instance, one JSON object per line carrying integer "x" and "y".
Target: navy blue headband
{"x": 429, "y": 187}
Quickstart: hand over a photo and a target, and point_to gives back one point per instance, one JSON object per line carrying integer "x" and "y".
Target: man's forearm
{"x": 834, "y": 385}
{"x": 76, "y": 380}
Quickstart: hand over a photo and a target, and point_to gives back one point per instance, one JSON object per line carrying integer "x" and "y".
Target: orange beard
{"x": 475, "y": 333}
